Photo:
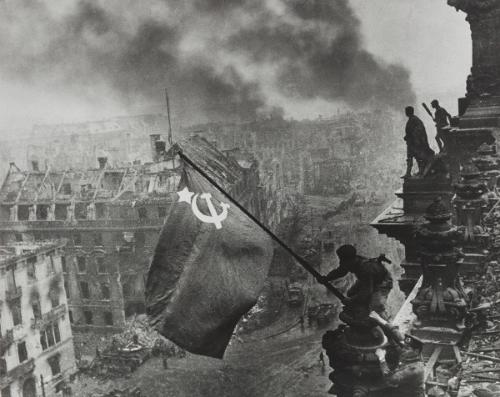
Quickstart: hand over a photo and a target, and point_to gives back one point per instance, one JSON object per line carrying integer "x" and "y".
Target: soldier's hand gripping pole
{"x": 306, "y": 265}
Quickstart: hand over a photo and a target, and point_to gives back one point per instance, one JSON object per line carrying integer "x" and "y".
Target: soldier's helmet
{"x": 346, "y": 252}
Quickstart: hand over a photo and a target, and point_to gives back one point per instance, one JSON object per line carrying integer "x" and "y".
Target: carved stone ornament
{"x": 439, "y": 302}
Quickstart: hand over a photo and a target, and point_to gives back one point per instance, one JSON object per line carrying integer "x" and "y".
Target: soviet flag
{"x": 211, "y": 260}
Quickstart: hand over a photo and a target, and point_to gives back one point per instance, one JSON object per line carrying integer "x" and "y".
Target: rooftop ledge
{"x": 394, "y": 215}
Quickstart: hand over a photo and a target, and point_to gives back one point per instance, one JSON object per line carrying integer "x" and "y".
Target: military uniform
{"x": 417, "y": 144}
{"x": 441, "y": 118}
{"x": 373, "y": 284}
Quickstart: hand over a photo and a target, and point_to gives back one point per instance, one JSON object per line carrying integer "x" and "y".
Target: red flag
{"x": 210, "y": 263}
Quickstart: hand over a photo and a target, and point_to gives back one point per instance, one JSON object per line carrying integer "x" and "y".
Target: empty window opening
{"x": 81, "y": 262}
{"x": 85, "y": 291}
{"x": 22, "y": 352}
{"x": 88, "y": 317}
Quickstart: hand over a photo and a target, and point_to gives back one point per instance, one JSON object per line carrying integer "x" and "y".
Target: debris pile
{"x": 121, "y": 354}
{"x": 477, "y": 372}
{"x": 481, "y": 366}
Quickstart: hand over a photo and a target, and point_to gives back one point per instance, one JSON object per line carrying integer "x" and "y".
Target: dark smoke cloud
{"x": 316, "y": 62}
{"x": 221, "y": 59}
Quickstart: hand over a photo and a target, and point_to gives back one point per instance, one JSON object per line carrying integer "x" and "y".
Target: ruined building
{"x": 318, "y": 156}
{"x": 36, "y": 347}
{"x": 111, "y": 218}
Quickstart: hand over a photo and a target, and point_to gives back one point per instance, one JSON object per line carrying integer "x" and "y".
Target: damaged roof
{"x": 132, "y": 182}
{"x": 148, "y": 181}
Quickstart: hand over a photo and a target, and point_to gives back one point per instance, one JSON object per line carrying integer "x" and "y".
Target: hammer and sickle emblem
{"x": 214, "y": 217}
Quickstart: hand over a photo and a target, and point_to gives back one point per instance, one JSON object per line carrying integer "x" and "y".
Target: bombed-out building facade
{"x": 36, "y": 344}
{"x": 110, "y": 218}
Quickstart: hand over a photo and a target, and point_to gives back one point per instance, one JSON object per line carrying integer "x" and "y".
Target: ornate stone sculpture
{"x": 440, "y": 301}
{"x": 469, "y": 202}
{"x": 488, "y": 163}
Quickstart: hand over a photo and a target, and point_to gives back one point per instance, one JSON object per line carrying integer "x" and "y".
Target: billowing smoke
{"x": 220, "y": 59}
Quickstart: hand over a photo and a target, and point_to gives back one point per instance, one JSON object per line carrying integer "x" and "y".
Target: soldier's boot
{"x": 421, "y": 167}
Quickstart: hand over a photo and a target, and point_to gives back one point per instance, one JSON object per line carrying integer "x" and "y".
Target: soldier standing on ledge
{"x": 417, "y": 144}
{"x": 442, "y": 119}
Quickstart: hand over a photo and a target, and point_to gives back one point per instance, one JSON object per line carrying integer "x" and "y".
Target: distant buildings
{"x": 313, "y": 156}
{"x": 76, "y": 145}
{"x": 36, "y": 348}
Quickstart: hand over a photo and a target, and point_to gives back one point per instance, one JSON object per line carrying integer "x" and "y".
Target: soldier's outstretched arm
{"x": 337, "y": 273}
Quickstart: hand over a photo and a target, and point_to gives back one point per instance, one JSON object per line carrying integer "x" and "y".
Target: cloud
{"x": 221, "y": 60}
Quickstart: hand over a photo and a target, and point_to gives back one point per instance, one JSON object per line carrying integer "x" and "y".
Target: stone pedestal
{"x": 358, "y": 370}
{"x": 440, "y": 304}
{"x": 461, "y": 143}
{"x": 394, "y": 223}
{"x": 469, "y": 203}
{"x": 418, "y": 193}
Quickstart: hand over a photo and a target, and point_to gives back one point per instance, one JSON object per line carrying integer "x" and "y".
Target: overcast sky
{"x": 428, "y": 37}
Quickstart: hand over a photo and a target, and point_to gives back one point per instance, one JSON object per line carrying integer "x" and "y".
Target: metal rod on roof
{"x": 170, "y": 139}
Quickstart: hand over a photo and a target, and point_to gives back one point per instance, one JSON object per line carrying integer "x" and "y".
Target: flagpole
{"x": 168, "y": 115}
{"x": 306, "y": 265}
